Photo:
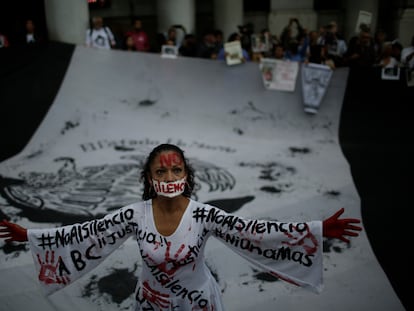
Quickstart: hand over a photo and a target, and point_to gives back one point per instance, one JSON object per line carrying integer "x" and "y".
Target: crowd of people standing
{"x": 28, "y": 35}
{"x": 326, "y": 45}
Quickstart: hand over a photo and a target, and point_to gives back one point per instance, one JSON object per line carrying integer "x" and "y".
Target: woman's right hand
{"x": 12, "y": 232}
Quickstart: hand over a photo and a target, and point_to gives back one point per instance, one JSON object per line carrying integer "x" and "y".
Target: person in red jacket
{"x": 139, "y": 36}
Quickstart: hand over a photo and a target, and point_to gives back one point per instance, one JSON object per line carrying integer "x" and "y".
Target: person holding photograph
{"x": 361, "y": 49}
{"x": 233, "y": 38}
{"x": 139, "y": 36}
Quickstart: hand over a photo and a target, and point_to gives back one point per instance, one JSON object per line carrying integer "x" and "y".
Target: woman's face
{"x": 167, "y": 166}
{"x": 279, "y": 52}
{"x": 97, "y": 22}
{"x": 138, "y": 24}
{"x": 29, "y": 26}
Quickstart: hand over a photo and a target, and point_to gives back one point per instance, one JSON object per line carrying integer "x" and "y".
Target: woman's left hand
{"x": 333, "y": 227}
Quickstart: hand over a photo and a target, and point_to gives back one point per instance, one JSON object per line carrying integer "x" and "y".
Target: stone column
{"x": 228, "y": 14}
{"x": 67, "y": 21}
{"x": 281, "y": 11}
{"x": 406, "y": 27}
{"x": 176, "y": 12}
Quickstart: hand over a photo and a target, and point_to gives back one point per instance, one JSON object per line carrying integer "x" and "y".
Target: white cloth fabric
{"x": 174, "y": 274}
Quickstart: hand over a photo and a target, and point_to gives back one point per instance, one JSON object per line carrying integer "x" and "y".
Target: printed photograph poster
{"x": 260, "y": 43}
{"x": 233, "y": 52}
{"x": 364, "y": 17}
{"x": 315, "y": 82}
{"x": 279, "y": 74}
{"x": 390, "y": 73}
{"x": 169, "y": 51}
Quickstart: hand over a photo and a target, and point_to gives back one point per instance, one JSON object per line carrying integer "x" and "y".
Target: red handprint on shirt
{"x": 304, "y": 238}
{"x": 155, "y": 297}
{"x": 48, "y": 274}
{"x": 171, "y": 265}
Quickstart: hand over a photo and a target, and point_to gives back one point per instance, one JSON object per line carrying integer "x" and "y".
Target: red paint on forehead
{"x": 170, "y": 158}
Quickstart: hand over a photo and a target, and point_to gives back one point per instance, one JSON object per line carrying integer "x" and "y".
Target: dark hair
{"x": 149, "y": 192}
{"x": 364, "y": 27}
{"x": 233, "y": 37}
{"x": 218, "y": 32}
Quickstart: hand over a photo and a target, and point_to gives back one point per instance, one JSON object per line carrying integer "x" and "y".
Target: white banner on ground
{"x": 256, "y": 153}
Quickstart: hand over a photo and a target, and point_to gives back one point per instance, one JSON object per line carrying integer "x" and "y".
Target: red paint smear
{"x": 170, "y": 159}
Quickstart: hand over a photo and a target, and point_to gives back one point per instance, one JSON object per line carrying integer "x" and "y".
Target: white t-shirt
{"x": 30, "y": 38}
{"x": 174, "y": 275}
{"x": 101, "y": 38}
{"x": 339, "y": 48}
